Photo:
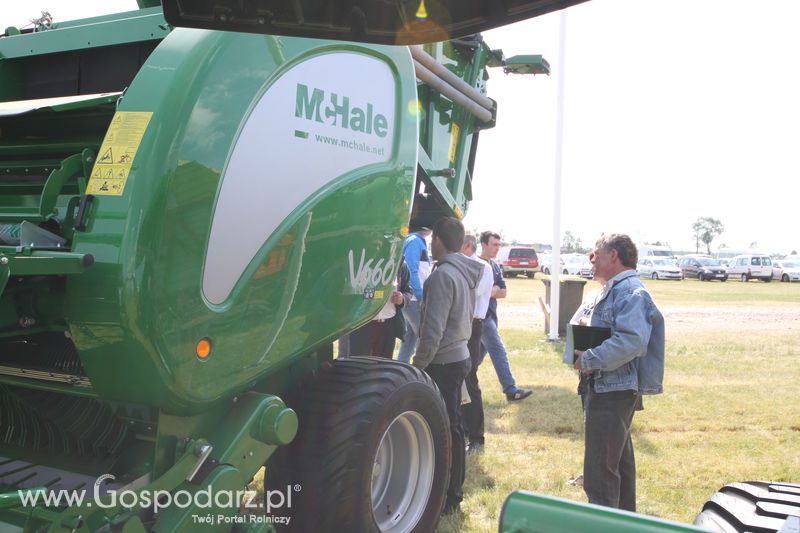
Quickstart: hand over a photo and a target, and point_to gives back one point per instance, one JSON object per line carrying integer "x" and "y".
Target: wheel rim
{"x": 785, "y": 278}
{"x": 402, "y": 473}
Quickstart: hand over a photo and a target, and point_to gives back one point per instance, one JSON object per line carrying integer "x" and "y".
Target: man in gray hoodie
{"x": 445, "y": 328}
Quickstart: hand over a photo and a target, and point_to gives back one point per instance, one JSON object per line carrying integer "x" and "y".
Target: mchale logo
{"x": 353, "y": 118}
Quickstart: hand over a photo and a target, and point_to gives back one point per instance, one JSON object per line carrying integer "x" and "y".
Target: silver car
{"x": 658, "y": 268}
{"x": 786, "y": 269}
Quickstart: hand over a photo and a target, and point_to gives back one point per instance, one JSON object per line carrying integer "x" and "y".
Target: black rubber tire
{"x": 531, "y": 275}
{"x": 343, "y": 414}
{"x": 766, "y": 280}
{"x": 700, "y": 277}
{"x": 745, "y": 278}
{"x": 750, "y": 506}
{"x": 654, "y": 275}
{"x": 785, "y": 278}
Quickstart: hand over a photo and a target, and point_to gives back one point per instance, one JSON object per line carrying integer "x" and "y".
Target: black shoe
{"x": 517, "y": 395}
{"x": 474, "y": 447}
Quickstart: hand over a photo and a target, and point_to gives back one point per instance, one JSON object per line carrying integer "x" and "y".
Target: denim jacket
{"x": 633, "y": 358}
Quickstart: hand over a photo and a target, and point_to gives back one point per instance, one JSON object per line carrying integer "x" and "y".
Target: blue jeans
{"x": 491, "y": 342}
{"x": 411, "y": 312}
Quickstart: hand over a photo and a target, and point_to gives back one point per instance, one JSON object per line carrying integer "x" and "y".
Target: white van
{"x": 749, "y": 266}
{"x": 653, "y": 250}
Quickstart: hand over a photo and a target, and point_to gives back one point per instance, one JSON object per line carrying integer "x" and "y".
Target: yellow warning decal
{"x": 117, "y": 152}
{"x": 454, "y": 142}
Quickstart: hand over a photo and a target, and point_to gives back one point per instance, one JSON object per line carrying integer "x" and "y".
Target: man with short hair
{"x": 618, "y": 372}
{"x": 490, "y": 337}
{"x": 445, "y": 328}
{"x": 415, "y": 255}
{"x": 472, "y": 412}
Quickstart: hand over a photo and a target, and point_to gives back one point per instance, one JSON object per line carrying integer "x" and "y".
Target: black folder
{"x": 585, "y": 337}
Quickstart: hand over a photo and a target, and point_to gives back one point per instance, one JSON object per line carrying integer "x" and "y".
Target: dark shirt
{"x": 500, "y": 282}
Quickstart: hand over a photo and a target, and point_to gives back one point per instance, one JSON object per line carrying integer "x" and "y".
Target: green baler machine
{"x": 188, "y": 220}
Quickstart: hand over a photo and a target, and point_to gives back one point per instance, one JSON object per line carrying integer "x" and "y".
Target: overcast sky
{"x": 674, "y": 110}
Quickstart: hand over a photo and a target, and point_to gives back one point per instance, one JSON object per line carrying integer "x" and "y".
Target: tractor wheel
{"x": 751, "y": 506}
{"x": 372, "y": 452}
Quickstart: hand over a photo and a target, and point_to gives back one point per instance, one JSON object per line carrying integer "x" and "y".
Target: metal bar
{"x": 136, "y": 26}
{"x": 14, "y": 498}
{"x": 423, "y": 74}
{"x": 49, "y": 386}
{"x": 525, "y": 512}
{"x": 427, "y": 60}
{"x": 43, "y": 263}
{"x": 71, "y": 146}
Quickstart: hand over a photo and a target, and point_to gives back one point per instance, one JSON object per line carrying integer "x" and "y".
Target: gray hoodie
{"x": 447, "y": 308}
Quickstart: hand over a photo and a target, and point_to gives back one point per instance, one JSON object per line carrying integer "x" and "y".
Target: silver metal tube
{"x": 452, "y": 93}
{"x": 418, "y": 53}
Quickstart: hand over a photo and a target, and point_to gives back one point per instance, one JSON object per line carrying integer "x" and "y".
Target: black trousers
{"x": 374, "y": 338}
{"x": 472, "y": 413}
{"x": 449, "y": 378}
{"x": 609, "y": 465}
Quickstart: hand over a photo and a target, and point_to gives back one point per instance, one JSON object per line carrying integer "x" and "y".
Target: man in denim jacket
{"x": 621, "y": 369}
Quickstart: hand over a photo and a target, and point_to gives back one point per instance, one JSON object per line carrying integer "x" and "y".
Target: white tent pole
{"x": 555, "y": 267}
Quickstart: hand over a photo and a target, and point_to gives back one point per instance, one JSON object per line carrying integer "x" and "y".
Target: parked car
{"x": 544, "y": 263}
{"x": 515, "y": 260}
{"x": 577, "y": 265}
{"x": 703, "y": 267}
{"x": 658, "y": 268}
{"x": 749, "y": 266}
{"x": 787, "y": 269}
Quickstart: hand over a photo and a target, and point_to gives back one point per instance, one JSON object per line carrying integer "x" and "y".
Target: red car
{"x": 515, "y": 260}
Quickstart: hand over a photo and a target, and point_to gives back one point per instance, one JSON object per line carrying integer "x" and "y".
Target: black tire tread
{"x": 756, "y": 506}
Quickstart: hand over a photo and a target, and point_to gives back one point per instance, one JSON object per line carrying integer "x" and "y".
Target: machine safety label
{"x": 117, "y": 152}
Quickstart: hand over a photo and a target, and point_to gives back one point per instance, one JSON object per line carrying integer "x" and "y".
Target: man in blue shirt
{"x": 415, "y": 254}
{"x": 490, "y": 336}
{"x": 618, "y": 372}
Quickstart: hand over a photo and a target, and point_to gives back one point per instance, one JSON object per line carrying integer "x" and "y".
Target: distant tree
{"x": 705, "y": 229}
{"x": 571, "y": 243}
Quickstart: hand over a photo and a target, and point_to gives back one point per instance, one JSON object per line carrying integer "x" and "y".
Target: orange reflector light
{"x": 203, "y": 348}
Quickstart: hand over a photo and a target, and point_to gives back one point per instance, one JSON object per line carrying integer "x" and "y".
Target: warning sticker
{"x": 117, "y": 152}
{"x": 454, "y": 142}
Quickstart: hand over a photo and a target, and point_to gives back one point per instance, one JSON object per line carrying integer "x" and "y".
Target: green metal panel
{"x": 447, "y": 131}
{"x": 526, "y": 512}
{"x": 133, "y": 26}
{"x": 137, "y": 318}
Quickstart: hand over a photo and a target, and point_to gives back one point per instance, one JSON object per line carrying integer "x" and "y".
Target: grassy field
{"x": 729, "y": 411}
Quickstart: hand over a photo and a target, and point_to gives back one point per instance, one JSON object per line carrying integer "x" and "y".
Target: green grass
{"x": 729, "y": 411}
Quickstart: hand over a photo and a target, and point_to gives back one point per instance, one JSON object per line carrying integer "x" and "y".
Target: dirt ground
{"x": 677, "y": 318}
